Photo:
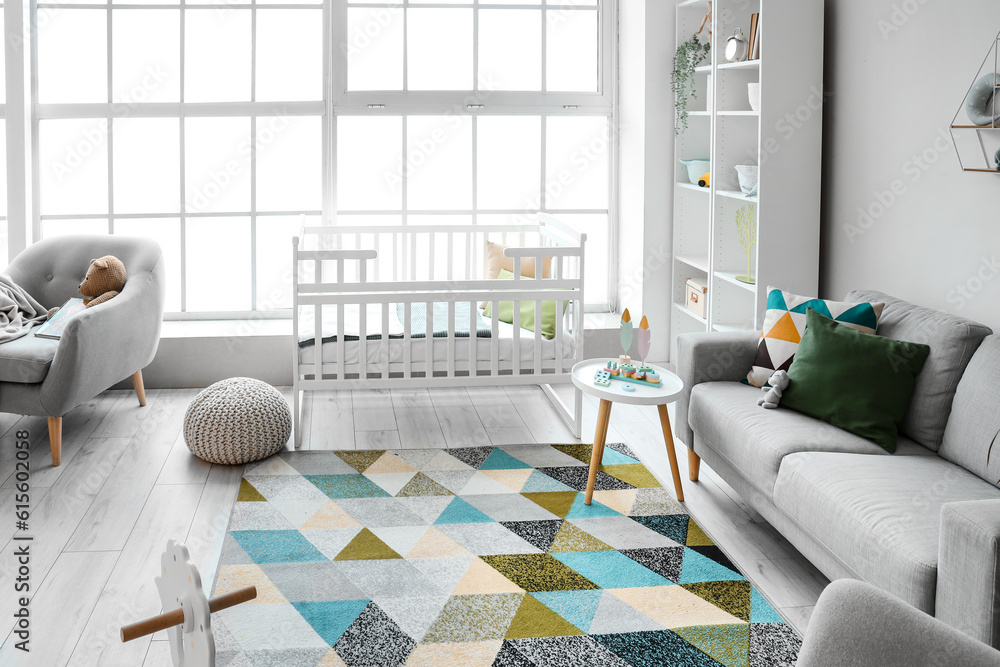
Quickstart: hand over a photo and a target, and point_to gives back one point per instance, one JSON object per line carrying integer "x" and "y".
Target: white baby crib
{"x": 398, "y": 306}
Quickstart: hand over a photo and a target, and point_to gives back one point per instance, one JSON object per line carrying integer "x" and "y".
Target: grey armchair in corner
{"x": 100, "y": 346}
{"x": 856, "y": 624}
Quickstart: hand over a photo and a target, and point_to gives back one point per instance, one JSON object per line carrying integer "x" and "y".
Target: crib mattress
{"x": 418, "y": 348}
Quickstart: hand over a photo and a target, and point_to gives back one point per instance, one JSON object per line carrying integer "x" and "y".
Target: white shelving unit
{"x": 784, "y": 138}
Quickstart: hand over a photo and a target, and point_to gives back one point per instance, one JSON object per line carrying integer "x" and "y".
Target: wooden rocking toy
{"x": 189, "y": 625}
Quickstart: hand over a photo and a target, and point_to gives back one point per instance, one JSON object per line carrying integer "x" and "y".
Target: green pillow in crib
{"x": 506, "y": 309}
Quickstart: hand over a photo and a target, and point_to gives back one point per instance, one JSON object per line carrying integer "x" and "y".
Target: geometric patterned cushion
{"x": 785, "y": 322}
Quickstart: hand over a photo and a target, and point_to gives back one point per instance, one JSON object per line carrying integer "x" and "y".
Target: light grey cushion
{"x": 975, "y": 420}
{"x": 754, "y": 440}
{"x": 952, "y": 339}
{"x": 879, "y": 514}
{"x": 857, "y": 625}
{"x": 26, "y": 359}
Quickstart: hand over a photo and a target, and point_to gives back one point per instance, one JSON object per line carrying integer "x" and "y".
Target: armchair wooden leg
{"x": 694, "y": 465}
{"x": 55, "y": 439}
{"x": 140, "y": 391}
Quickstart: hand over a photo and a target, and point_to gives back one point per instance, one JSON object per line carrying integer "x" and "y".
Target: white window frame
{"x": 26, "y": 112}
{"x": 603, "y": 102}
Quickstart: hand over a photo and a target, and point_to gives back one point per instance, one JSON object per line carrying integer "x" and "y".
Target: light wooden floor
{"x": 127, "y": 483}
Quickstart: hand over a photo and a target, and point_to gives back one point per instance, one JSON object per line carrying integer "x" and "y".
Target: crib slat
{"x": 471, "y": 261}
{"x": 451, "y": 255}
{"x": 385, "y": 340}
{"x": 473, "y": 338}
{"x": 429, "y": 370}
{"x": 558, "y": 340}
{"x": 407, "y": 361}
{"x": 495, "y": 337}
{"x": 538, "y": 331}
{"x": 413, "y": 255}
{"x": 430, "y": 266}
{"x": 318, "y": 341}
{"x": 341, "y": 345}
{"x": 451, "y": 339}
{"x": 515, "y": 355}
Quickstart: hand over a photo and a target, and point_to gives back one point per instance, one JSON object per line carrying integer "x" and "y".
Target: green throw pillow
{"x": 859, "y": 382}
{"x": 506, "y": 309}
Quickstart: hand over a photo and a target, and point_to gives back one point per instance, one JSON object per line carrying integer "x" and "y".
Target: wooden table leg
{"x": 668, "y": 440}
{"x": 598, "y": 453}
{"x": 694, "y": 465}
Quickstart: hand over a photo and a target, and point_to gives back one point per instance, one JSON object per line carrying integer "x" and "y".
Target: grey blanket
{"x": 18, "y": 310}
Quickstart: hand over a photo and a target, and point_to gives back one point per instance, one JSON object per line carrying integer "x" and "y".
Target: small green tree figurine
{"x": 746, "y": 225}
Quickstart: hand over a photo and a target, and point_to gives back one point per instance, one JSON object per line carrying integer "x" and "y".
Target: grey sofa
{"x": 923, "y": 523}
{"x": 858, "y": 625}
{"x": 100, "y": 346}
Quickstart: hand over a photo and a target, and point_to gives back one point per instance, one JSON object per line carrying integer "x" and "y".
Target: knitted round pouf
{"x": 238, "y": 420}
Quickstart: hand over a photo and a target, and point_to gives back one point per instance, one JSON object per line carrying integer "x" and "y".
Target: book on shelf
{"x": 754, "y": 20}
{"x": 755, "y": 48}
{"x": 54, "y": 326}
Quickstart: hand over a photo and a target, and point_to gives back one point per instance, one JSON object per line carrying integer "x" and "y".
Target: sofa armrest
{"x": 856, "y": 624}
{"x": 968, "y": 585}
{"x": 710, "y": 357}
{"x": 105, "y": 344}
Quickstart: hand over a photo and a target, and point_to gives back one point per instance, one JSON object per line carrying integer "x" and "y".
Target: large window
{"x": 200, "y": 126}
{"x": 477, "y": 113}
{"x": 215, "y": 127}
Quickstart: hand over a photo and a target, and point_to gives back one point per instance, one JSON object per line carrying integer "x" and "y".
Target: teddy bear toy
{"x": 772, "y": 395}
{"x": 104, "y": 280}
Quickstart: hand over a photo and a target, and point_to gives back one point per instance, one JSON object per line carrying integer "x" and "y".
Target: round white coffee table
{"x": 668, "y": 390}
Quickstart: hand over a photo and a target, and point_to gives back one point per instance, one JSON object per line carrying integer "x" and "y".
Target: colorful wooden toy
{"x": 613, "y": 367}
{"x": 639, "y": 374}
{"x": 626, "y": 332}
{"x": 627, "y": 370}
{"x": 602, "y": 379}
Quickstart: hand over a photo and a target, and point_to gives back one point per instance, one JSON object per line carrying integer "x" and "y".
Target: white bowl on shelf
{"x": 748, "y": 175}
{"x": 696, "y": 168}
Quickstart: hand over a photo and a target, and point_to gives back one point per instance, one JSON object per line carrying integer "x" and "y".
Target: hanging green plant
{"x": 688, "y": 56}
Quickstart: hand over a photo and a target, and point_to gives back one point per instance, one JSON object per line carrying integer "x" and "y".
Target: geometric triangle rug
{"x": 482, "y": 556}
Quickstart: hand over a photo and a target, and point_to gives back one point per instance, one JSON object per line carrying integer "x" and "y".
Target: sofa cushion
{"x": 972, "y": 437}
{"x": 785, "y": 324}
{"x": 859, "y": 382}
{"x": 26, "y": 359}
{"x": 952, "y": 339}
{"x": 880, "y": 516}
{"x": 725, "y": 415}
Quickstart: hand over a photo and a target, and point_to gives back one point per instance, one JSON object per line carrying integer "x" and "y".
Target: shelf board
{"x": 730, "y": 277}
{"x": 703, "y": 68}
{"x": 736, "y": 194}
{"x": 694, "y": 317}
{"x": 700, "y": 263}
{"x": 975, "y": 127}
{"x": 738, "y": 113}
{"x": 697, "y": 114}
{"x": 692, "y": 186}
{"x": 743, "y": 64}
{"x": 730, "y": 327}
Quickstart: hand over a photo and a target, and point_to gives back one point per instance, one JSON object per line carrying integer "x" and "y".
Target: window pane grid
{"x": 149, "y": 181}
{"x": 389, "y": 30}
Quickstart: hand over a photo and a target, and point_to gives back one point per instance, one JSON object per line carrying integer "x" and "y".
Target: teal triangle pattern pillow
{"x": 785, "y": 323}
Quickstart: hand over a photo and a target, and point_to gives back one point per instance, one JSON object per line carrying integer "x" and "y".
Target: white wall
{"x": 896, "y": 73}
{"x": 646, "y": 34}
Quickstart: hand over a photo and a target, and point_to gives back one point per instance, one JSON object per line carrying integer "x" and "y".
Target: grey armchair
{"x": 856, "y": 624}
{"x": 100, "y": 346}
